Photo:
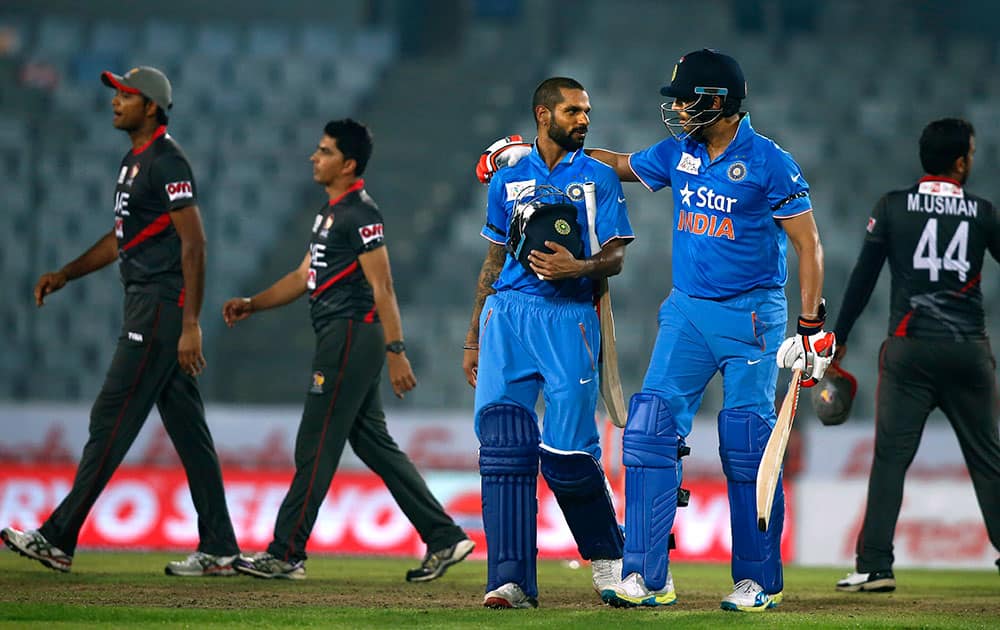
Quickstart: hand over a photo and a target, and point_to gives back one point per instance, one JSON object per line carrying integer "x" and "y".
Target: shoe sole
{"x": 773, "y": 601}
{"x": 462, "y": 550}
{"x": 886, "y": 585}
{"x": 270, "y": 576}
{"x": 499, "y": 603}
{"x": 46, "y": 562}
{"x": 611, "y": 598}
{"x": 220, "y": 572}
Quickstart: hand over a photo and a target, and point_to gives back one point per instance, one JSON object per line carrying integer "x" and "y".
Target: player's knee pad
{"x": 508, "y": 465}
{"x": 743, "y": 436}
{"x": 649, "y": 452}
{"x": 579, "y": 485}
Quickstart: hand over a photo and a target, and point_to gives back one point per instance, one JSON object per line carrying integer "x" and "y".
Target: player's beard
{"x": 564, "y": 139}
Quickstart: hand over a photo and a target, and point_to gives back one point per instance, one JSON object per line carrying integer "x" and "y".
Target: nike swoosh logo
{"x": 796, "y": 177}
{"x": 749, "y": 362}
{"x": 584, "y": 381}
{"x": 621, "y": 200}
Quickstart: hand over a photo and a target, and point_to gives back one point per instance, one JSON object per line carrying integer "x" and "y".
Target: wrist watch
{"x": 396, "y": 347}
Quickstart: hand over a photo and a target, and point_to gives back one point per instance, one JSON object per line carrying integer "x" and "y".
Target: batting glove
{"x": 504, "y": 152}
{"x": 811, "y": 350}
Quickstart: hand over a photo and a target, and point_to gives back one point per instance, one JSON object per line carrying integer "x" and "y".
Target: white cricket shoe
{"x": 264, "y": 565}
{"x": 749, "y": 596}
{"x": 201, "y": 564}
{"x": 509, "y": 595}
{"x": 32, "y": 544}
{"x": 632, "y": 591}
{"x": 607, "y": 573}
{"x": 875, "y": 582}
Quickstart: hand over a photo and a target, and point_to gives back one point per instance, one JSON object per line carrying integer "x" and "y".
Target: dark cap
{"x": 706, "y": 71}
{"x": 833, "y": 396}
{"x": 144, "y": 80}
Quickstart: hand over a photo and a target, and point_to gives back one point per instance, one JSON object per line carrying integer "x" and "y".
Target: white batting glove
{"x": 504, "y": 152}
{"x": 811, "y": 350}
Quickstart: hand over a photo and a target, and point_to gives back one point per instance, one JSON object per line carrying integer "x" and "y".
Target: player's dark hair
{"x": 944, "y": 141}
{"x": 161, "y": 116}
{"x": 731, "y": 106}
{"x": 549, "y": 92}
{"x": 353, "y": 139}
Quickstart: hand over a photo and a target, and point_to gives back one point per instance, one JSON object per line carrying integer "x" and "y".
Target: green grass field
{"x": 128, "y": 590}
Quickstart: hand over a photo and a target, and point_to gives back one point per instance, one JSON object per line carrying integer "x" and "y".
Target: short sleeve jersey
{"x": 344, "y": 228}
{"x": 569, "y": 175}
{"x": 935, "y": 235}
{"x": 727, "y": 237}
{"x": 153, "y": 181}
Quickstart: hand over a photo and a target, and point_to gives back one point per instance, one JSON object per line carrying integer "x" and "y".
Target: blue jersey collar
{"x": 536, "y": 157}
{"x": 744, "y": 135}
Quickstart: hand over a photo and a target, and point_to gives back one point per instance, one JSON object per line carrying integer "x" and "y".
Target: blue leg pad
{"x": 508, "y": 464}
{"x": 756, "y": 555}
{"x": 649, "y": 452}
{"x": 580, "y": 487}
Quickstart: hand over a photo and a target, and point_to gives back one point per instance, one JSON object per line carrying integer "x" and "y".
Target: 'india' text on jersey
{"x": 727, "y": 210}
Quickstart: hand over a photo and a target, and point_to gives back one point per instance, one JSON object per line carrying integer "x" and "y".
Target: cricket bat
{"x": 774, "y": 453}
{"x": 611, "y": 383}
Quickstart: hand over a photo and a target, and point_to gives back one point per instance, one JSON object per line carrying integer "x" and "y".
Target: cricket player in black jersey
{"x": 356, "y": 318}
{"x": 159, "y": 242}
{"x": 935, "y": 235}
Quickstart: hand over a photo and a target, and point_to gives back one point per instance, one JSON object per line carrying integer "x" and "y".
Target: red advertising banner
{"x": 150, "y": 508}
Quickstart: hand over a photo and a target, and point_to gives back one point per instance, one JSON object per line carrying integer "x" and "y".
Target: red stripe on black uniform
{"x": 344, "y": 229}
{"x": 937, "y": 355}
{"x": 152, "y": 181}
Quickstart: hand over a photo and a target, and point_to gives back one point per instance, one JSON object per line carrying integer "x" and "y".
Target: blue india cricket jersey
{"x": 727, "y": 239}
{"x": 575, "y": 169}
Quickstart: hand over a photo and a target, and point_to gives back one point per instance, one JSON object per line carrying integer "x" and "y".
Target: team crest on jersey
{"x": 689, "y": 164}
{"x": 871, "y": 225}
{"x": 131, "y": 174}
{"x": 737, "y": 171}
{"x": 328, "y": 222}
{"x": 575, "y": 192}
{"x": 561, "y": 226}
{"x": 317, "y": 384}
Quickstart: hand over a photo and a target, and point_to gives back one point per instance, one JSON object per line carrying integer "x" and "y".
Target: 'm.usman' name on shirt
{"x": 940, "y": 197}
{"x": 727, "y": 236}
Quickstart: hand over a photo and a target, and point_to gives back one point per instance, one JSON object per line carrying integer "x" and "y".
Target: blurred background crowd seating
{"x": 845, "y": 86}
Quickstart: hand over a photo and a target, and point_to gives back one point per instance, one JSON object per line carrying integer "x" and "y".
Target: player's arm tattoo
{"x": 488, "y": 274}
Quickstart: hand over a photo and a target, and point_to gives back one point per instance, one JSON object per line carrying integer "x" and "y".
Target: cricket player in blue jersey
{"x": 534, "y": 329}
{"x": 738, "y": 199}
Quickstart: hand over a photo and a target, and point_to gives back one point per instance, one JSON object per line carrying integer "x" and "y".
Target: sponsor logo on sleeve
{"x": 871, "y": 225}
{"x": 369, "y": 233}
{"x": 179, "y": 190}
{"x": 516, "y": 188}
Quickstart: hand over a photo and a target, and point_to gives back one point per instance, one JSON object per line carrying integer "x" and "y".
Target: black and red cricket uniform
{"x": 343, "y": 403}
{"x": 153, "y": 181}
{"x": 937, "y": 355}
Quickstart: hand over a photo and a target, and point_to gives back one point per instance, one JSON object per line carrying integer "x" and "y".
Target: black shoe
{"x": 998, "y": 564}
{"x": 437, "y": 562}
{"x": 874, "y": 582}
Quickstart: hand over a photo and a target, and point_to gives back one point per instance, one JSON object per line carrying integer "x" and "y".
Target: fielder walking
{"x": 935, "y": 235}
{"x": 159, "y": 242}
{"x": 534, "y": 329}
{"x": 358, "y": 329}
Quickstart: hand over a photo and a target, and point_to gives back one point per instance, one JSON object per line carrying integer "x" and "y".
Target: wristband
{"x": 812, "y": 325}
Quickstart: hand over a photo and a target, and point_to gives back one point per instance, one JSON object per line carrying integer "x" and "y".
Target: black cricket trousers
{"x": 915, "y": 376}
{"x": 144, "y": 372}
{"x": 343, "y": 405}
